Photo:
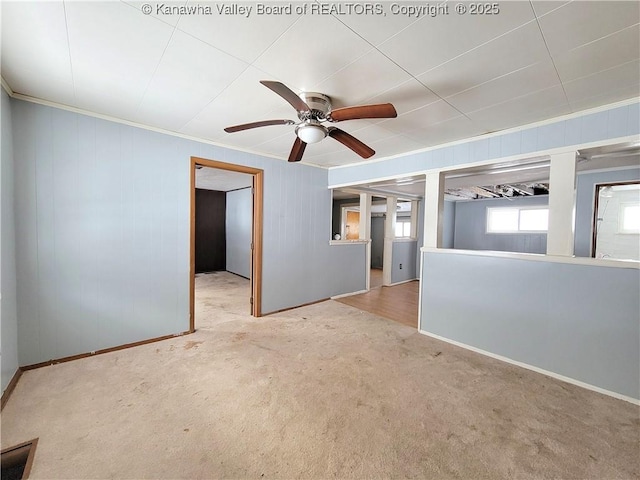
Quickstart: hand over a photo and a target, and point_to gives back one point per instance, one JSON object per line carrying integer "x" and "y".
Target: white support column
{"x": 562, "y": 199}
{"x": 389, "y": 235}
{"x": 365, "y": 232}
{"x": 414, "y": 219}
{"x": 365, "y": 216}
{"x": 433, "y": 209}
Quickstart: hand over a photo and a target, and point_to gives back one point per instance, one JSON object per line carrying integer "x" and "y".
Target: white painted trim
{"x": 539, "y": 257}
{"x": 404, "y": 239}
{"x": 342, "y": 295}
{"x": 402, "y": 282}
{"x": 603, "y": 170}
{"x": 171, "y": 133}
{"x": 550, "y": 121}
{"x": 6, "y": 87}
{"x": 348, "y": 242}
{"x": 511, "y": 158}
{"x": 557, "y": 376}
{"x": 420, "y": 293}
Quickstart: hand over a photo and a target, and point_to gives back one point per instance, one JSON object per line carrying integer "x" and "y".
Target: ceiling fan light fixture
{"x": 311, "y": 132}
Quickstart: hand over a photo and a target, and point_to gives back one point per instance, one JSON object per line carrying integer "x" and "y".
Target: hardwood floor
{"x": 398, "y": 303}
{"x": 375, "y": 278}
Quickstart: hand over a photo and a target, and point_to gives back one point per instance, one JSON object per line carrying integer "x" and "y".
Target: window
{"x": 616, "y": 223}
{"x": 629, "y": 218}
{"x": 517, "y": 220}
{"x": 403, "y": 228}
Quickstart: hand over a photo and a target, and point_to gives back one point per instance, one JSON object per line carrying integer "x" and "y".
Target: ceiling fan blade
{"x": 297, "y": 150}
{"x": 288, "y": 94}
{"x": 381, "y": 110}
{"x": 351, "y": 142}
{"x": 263, "y": 123}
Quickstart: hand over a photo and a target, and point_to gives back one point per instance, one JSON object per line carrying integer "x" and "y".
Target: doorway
{"x": 255, "y": 300}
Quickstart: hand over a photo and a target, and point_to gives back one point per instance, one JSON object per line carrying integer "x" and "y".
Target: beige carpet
{"x": 323, "y": 391}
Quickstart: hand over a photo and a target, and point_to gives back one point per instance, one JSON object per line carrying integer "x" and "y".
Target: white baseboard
{"x": 557, "y": 376}
{"x": 348, "y": 294}
{"x": 404, "y": 281}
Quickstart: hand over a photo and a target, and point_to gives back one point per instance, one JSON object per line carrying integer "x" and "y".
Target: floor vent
{"x": 16, "y": 461}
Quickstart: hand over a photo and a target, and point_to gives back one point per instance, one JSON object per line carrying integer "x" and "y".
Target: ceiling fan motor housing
{"x": 319, "y": 106}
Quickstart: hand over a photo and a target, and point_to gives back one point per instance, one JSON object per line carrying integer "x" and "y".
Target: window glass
{"x": 630, "y": 218}
{"x": 517, "y": 219}
{"x": 502, "y": 220}
{"x": 534, "y": 220}
{"x": 403, "y": 228}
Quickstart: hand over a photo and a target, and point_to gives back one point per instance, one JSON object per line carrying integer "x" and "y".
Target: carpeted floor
{"x": 323, "y": 391}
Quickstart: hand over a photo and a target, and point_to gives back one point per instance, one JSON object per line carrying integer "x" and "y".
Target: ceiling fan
{"x": 314, "y": 109}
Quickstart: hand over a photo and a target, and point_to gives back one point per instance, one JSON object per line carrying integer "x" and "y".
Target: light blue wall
{"x": 8, "y": 309}
{"x": 547, "y": 297}
{"x": 377, "y": 241}
{"x": 471, "y": 227}
{"x": 608, "y": 124}
{"x": 239, "y": 220}
{"x": 449, "y": 224}
{"x": 404, "y": 253}
{"x": 102, "y": 229}
{"x": 585, "y": 201}
{"x": 575, "y": 320}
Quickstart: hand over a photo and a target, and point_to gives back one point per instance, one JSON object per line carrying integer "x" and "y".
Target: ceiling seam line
{"x": 249, "y": 65}
{"x": 66, "y": 28}
{"x": 546, "y": 45}
{"x": 155, "y": 70}
{"x": 477, "y": 47}
{"x": 404, "y": 70}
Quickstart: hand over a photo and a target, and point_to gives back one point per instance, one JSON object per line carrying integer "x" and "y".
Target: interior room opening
{"x": 226, "y": 246}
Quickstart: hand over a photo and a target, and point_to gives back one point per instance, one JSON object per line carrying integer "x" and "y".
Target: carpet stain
{"x": 191, "y": 344}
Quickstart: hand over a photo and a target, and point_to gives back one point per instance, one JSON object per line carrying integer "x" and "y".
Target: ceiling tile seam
{"x": 66, "y": 28}
{"x": 221, "y": 91}
{"x": 458, "y": 56}
{"x": 512, "y": 99}
{"x": 344, "y": 67}
{"x": 605, "y": 70}
{"x": 546, "y": 45}
{"x": 249, "y": 65}
{"x": 155, "y": 70}
{"x": 270, "y": 46}
{"x": 443, "y": 99}
{"x": 563, "y": 4}
{"x": 231, "y": 54}
{"x": 495, "y": 78}
{"x": 375, "y": 47}
{"x": 386, "y": 40}
{"x": 601, "y": 38}
{"x": 136, "y": 8}
{"x": 572, "y": 104}
{"x": 478, "y": 46}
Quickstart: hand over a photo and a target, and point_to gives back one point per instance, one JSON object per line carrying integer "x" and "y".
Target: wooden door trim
{"x": 256, "y": 234}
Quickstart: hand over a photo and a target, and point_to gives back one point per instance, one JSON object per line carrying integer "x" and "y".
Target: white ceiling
{"x": 222, "y": 180}
{"x": 450, "y": 76}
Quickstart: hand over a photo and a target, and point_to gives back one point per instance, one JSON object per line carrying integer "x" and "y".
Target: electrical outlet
{"x": 400, "y": 266}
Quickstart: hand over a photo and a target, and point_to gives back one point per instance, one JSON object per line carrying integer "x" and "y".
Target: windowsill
{"x": 540, "y": 257}
{"x": 348, "y": 242}
{"x": 405, "y": 239}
